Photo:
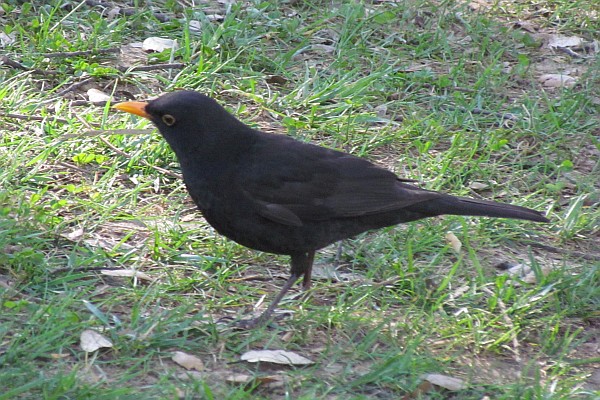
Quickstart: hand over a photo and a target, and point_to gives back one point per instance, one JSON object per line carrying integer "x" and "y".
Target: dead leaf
{"x": 7, "y": 40}
{"x": 73, "y": 235}
{"x": 329, "y": 272}
{"x": 12, "y": 248}
{"x": 276, "y": 357}
{"x": 97, "y": 96}
{"x": 324, "y": 48}
{"x": 557, "y": 80}
{"x": 459, "y": 292}
{"x": 215, "y": 17}
{"x": 238, "y": 378}
{"x": 107, "y": 244}
{"x": 195, "y": 26}
{"x": 478, "y": 186}
{"x": 420, "y": 392}
{"x": 187, "y": 361}
{"x": 6, "y": 282}
{"x": 126, "y": 273}
{"x": 270, "y": 381}
{"x": 190, "y": 375}
{"x": 113, "y": 13}
{"x": 158, "y": 44}
{"x": 91, "y": 341}
{"x": 526, "y": 26}
{"x": 381, "y": 110}
{"x": 276, "y": 80}
{"x": 453, "y": 241}
{"x": 526, "y": 273}
{"x": 445, "y": 381}
{"x": 59, "y": 356}
{"x": 564, "y": 41}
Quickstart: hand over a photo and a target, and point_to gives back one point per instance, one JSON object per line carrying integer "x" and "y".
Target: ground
{"x": 113, "y": 286}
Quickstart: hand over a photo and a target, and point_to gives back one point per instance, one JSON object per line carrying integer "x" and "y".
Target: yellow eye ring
{"x": 168, "y": 119}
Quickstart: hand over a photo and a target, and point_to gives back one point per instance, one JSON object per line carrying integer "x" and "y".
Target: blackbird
{"x": 278, "y": 195}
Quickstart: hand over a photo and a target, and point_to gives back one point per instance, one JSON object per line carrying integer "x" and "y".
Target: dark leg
{"x": 307, "y": 270}
{"x": 301, "y": 265}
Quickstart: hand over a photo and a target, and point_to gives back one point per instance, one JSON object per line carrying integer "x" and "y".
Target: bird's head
{"x": 188, "y": 120}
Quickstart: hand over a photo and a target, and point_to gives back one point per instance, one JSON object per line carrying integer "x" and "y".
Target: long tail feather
{"x": 484, "y": 208}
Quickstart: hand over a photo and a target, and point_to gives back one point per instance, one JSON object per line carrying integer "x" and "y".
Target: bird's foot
{"x": 248, "y": 324}
{"x": 261, "y": 320}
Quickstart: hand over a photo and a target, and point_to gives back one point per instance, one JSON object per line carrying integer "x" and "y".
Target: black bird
{"x": 275, "y": 194}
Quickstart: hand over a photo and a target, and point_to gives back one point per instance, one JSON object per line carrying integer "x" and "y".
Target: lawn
{"x": 112, "y": 286}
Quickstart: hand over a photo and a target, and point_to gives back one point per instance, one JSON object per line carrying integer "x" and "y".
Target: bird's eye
{"x": 168, "y": 119}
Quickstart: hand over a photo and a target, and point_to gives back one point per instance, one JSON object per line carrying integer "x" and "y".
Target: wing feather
{"x": 324, "y": 184}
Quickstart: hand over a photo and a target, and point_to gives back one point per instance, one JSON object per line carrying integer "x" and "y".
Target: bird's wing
{"x": 291, "y": 181}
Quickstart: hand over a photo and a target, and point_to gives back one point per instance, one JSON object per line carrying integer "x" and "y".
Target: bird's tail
{"x": 484, "y": 208}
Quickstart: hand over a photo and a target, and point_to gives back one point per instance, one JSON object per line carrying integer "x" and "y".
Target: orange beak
{"x": 133, "y": 107}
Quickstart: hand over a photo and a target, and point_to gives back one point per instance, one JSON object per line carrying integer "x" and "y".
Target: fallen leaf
{"x": 526, "y": 273}
{"x": 459, "y": 292}
{"x": 158, "y": 44}
{"x": 478, "y": 186}
{"x": 113, "y": 13}
{"x": 526, "y": 26}
{"x": 420, "y": 392}
{"x": 445, "y": 381}
{"x": 187, "y": 361}
{"x": 73, "y": 235}
{"x": 324, "y": 48}
{"x": 97, "y": 96}
{"x": 195, "y": 26}
{"x": 557, "y": 80}
{"x": 190, "y": 375}
{"x": 107, "y": 244}
{"x": 270, "y": 381}
{"x": 215, "y": 17}
{"x": 330, "y": 272}
{"x": 453, "y": 241}
{"x": 12, "y": 248}
{"x": 564, "y": 41}
{"x": 276, "y": 80}
{"x": 381, "y": 110}
{"x": 6, "y": 40}
{"x": 276, "y": 357}
{"x": 238, "y": 378}
{"x": 91, "y": 341}
{"x": 126, "y": 273}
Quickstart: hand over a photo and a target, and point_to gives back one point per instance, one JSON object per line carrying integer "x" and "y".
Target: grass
{"x": 424, "y": 88}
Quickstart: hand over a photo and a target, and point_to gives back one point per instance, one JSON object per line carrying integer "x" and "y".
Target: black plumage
{"x": 279, "y": 195}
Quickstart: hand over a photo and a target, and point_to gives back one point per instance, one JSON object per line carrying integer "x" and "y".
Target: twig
{"x": 81, "y": 269}
{"x": 4, "y": 60}
{"x": 108, "y": 132}
{"x": 79, "y": 103}
{"x": 153, "y": 67}
{"x": 476, "y": 110}
{"x": 147, "y": 164}
{"x": 73, "y": 167}
{"x": 509, "y": 322}
{"x": 127, "y": 11}
{"x": 31, "y": 117}
{"x": 13, "y": 64}
{"x": 81, "y": 53}
{"x": 74, "y": 86}
{"x": 10, "y": 291}
{"x": 570, "y": 52}
{"x": 580, "y": 254}
{"x": 509, "y": 116}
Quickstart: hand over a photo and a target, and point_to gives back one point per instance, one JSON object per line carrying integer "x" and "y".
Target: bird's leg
{"x": 308, "y": 264}
{"x": 301, "y": 266}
